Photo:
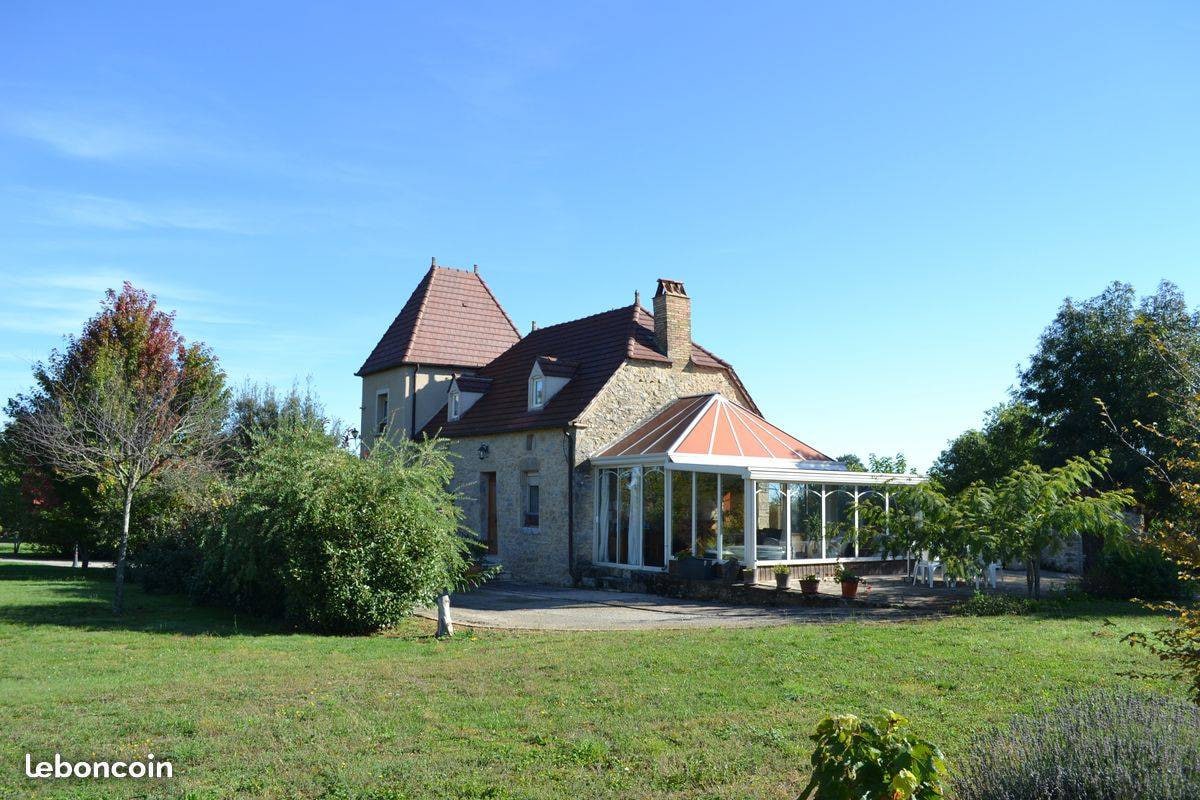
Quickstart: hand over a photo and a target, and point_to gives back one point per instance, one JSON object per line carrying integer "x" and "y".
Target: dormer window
{"x": 537, "y": 391}
{"x": 547, "y": 377}
{"x": 454, "y": 407}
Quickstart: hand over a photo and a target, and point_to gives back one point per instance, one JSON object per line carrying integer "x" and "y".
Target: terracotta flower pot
{"x": 849, "y": 589}
{"x": 809, "y": 587}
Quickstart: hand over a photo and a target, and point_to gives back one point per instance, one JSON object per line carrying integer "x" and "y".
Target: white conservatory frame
{"x": 754, "y": 472}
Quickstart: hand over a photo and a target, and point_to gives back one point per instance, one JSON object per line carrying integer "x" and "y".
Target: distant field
{"x": 245, "y": 710}
{"x": 8, "y": 548}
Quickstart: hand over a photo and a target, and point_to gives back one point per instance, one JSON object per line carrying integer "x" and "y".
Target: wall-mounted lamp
{"x": 483, "y": 451}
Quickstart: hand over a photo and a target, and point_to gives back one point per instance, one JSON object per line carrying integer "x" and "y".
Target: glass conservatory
{"x": 710, "y": 478}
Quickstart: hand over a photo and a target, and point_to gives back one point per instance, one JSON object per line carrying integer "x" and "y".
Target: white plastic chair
{"x": 926, "y": 570}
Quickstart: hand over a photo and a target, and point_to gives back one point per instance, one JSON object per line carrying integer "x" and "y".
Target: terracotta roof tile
{"x": 598, "y": 345}
{"x": 451, "y": 319}
{"x": 557, "y": 367}
{"x": 711, "y": 425}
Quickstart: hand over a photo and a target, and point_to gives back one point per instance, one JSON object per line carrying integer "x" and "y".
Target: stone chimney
{"x": 673, "y": 322}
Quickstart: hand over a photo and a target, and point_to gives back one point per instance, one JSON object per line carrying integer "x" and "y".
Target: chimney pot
{"x": 673, "y": 322}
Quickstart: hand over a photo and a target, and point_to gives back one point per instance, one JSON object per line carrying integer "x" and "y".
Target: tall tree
{"x": 1103, "y": 349}
{"x": 123, "y": 402}
{"x": 1011, "y": 435}
{"x": 1032, "y": 511}
{"x": 1177, "y": 531}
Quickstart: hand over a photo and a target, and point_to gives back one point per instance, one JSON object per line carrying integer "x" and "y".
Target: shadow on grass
{"x": 82, "y": 599}
{"x": 1081, "y": 608}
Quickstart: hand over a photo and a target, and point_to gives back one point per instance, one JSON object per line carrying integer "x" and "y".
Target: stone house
{"x": 568, "y": 439}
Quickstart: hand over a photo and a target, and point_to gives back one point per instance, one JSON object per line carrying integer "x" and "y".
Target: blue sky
{"x": 876, "y": 207}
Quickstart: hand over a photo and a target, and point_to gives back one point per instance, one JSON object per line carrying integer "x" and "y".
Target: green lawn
{"x": 27, "y": 548}
{"x": 249, "y": 711}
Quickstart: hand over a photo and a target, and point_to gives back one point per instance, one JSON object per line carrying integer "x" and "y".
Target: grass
{"x": 7, "y": 549}
{"x": 245, "y": 710}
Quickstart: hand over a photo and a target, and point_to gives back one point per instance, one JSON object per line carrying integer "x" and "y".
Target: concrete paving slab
{"x": 529, "y": 607}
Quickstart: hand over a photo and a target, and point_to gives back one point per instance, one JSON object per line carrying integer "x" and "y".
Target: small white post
{"x": 445, "y": 627}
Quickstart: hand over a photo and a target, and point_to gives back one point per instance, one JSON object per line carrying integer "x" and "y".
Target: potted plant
{"x": 691, "y": 568}
{"x": 809, "y": 584}
{"x": 675, "y": 566}
{"x": 848, "y": 580}
{"x": 749, "y": 576}
{"x": 782, "y": 576}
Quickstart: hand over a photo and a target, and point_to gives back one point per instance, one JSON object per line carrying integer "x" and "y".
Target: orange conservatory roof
{"x": 710, "y": 425}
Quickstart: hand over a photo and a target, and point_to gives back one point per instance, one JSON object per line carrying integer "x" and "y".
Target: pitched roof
{"x": 557, "y": 367}
{"x": 598, "y": 345}
{"x": 451, "y": 319}
{"x": 472, "y": 383}
{"x": 711, "y": 425}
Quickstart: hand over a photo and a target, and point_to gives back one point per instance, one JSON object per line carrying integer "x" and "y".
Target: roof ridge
{"x": 492, "y": 295}
{"x": 633, "y": 325}
{"x": 578, "y": 319}
{"x": 420, "y": 311}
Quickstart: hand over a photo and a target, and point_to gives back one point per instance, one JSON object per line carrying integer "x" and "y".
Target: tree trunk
{"x": 119, "y": 593}
{"x": 1029, "y": 562}
{"x": 75, "y": 557}
{"x": 445, "y": 625}
{"x": 1037, "y": 580}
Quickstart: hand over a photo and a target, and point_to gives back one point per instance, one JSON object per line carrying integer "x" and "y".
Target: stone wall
{"x": 529, "y": 554}
{"x": 539, "y": 555}
{"x": 636, "y": 392}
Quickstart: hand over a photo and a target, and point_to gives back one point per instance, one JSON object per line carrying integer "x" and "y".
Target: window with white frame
{"x": 453, "y": 409}
{"x": 381, "y": 412}
{"x": 533, "y": 500}
{"x": 537, "y": 391}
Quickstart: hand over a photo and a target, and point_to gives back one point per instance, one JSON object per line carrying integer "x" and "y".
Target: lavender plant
{"x": 1103, "y": 745}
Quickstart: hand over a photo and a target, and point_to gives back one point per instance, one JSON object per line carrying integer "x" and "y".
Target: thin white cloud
{"x": 96, "y": 136}
{"x": 56, "y": 303}
{"x": 111, "y": 213}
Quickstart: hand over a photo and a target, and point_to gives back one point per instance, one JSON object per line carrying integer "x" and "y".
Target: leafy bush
{"x": 1141, "y": 571}
{"x": 168, "y": 565}
{"x": 857, "y": 758}
{"x": 335, "y": 543}
{"x": 995, "y": 605}
{"x": 1107, "y": 745}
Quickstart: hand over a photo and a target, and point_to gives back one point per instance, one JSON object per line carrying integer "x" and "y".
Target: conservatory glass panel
{"x": 805, "y": 521}
{"x": 839, "y": 522}
{"x": 625, "y": 485}
{"x": 706, "y": 514}
{"x": 609, "y": 497}
{"x": 770, "y": 544}
{"x": 653, "y": 529}
{"x": 733, "y": 518}
{"x": 871, "y": 507}
{"x": 681, "y": 512}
